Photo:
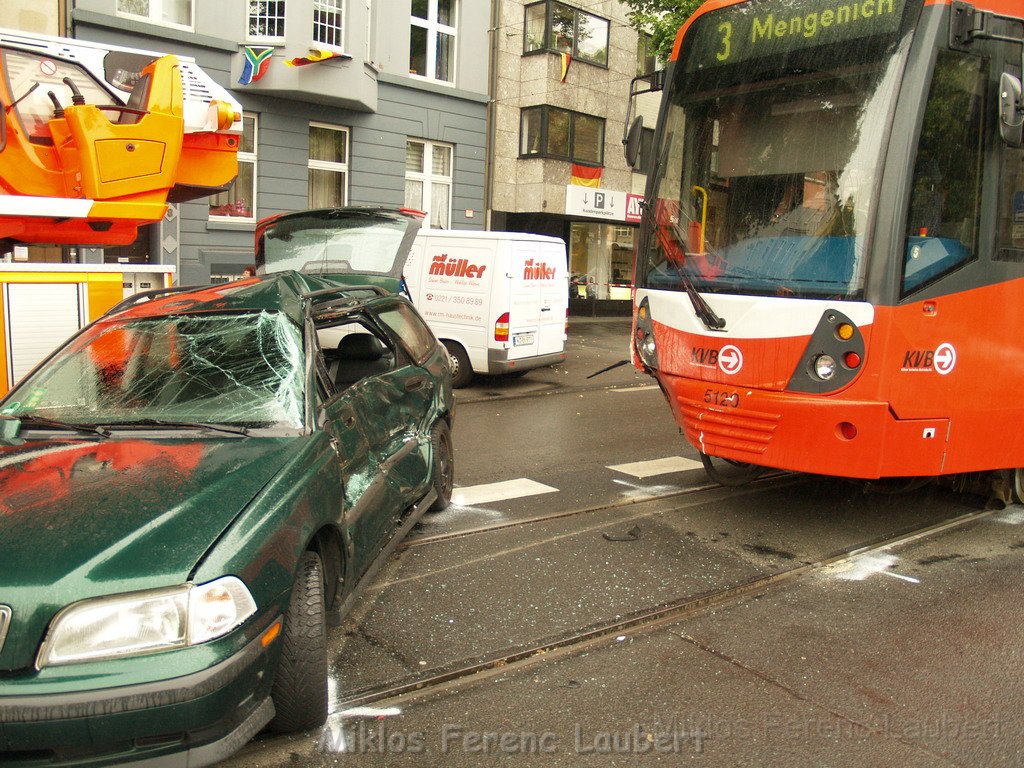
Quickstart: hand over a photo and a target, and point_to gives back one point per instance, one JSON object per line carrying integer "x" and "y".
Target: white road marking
{"x": 473, "y": 495}
{"x": 645, "y": 388}
{"x": 664, "y": 466}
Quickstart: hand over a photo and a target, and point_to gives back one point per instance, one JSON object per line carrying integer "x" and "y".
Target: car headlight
{"x": 145, "y": 622}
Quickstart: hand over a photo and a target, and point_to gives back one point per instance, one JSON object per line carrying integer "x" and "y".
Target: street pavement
{"x": 908, "y": 656}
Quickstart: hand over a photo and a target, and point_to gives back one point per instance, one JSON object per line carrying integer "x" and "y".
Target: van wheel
{"x": 300, "y": 684}
{"x": 443, "y": 465}
{"x": 462, "y": 371}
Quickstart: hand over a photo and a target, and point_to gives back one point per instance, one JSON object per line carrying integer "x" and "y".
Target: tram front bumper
{"x": 805, "y": 433}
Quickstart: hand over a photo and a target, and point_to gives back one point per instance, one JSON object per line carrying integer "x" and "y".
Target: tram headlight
{"x": 643, "y": 338}
{"x": 824, "y": 367}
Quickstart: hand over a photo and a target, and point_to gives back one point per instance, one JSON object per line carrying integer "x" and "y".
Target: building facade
{"x": 561, "y": 89}
{"x": 360, "y": 102}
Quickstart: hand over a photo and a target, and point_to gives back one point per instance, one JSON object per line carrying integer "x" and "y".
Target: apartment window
{"x": 432, "y": 40}
{"x": 428, "y": 181}
{"x": 327, "y": 18}
{"x": 328, "y": 166}
{"x": 239, "y": 201}
{"x": 557, "y": 27}
{"x": 174, "y": 13}
{"x": 547, "y": 131}
{"x": 646, "y": 60}
{"x": 266, "y": 19}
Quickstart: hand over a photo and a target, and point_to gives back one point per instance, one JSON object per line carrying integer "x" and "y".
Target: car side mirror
{"x": 632, "y": 141}
{"x": 1011, "y": 110}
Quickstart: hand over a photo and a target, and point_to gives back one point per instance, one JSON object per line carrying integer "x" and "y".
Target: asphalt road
{"x": 903, "y": 656}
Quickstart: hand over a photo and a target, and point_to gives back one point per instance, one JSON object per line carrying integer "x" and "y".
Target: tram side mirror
{"x": 1011, "y": 110}
{"x": 632, "y": 141}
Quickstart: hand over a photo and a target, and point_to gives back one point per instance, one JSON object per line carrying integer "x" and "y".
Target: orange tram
{"x": 830, "y": 267}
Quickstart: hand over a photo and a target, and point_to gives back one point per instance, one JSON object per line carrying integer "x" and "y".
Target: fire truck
{"x": 95, "y": 141}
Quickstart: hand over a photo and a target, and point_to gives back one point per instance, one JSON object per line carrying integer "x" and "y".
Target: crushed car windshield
{"x": 243, "y": 369}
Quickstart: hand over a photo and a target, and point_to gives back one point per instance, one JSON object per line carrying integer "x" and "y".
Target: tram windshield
{"x": 769, "y": 156}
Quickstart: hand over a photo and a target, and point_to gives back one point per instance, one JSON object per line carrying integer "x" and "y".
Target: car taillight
{"x": 566, "y": 322}
{"x": 501, "y": 328}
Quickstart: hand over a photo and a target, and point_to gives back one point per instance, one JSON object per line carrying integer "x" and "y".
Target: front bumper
{"x": 192, "y": 720}
{"x": 805, "y": 433}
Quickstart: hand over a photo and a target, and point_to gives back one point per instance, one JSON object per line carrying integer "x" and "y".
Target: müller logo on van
{"x": 443, "y": 265}
{"x": 539, "y": 271}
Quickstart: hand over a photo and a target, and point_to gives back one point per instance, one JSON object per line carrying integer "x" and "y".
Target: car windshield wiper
{"x": 244, "y": 431}
{"x": 28, "y": 419}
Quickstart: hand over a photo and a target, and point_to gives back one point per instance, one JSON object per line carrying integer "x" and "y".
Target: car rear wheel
{"x": 462, "y": 371}
{"x": 443, "y": 465}
{"x": 300, "y": 685}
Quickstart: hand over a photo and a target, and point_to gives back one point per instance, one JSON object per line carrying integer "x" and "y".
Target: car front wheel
{"x": 443, "y": 465}
{"x": 300, "y": 685}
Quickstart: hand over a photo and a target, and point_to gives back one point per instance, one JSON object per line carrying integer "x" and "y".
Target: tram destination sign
{"x": 759, "y": 28}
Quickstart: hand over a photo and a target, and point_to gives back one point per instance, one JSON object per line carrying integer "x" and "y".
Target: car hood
{"x": 77, "y": 516}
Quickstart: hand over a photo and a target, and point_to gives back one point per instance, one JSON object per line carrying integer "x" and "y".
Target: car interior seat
{"x": 360, "y": 355}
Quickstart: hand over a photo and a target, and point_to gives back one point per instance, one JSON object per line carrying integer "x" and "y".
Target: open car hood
{"x": 358, "y": 246}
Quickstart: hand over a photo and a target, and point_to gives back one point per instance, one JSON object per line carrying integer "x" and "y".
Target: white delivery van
{"x": 497, "y": 300}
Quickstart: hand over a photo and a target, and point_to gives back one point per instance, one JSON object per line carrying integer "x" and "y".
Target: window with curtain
{"x": 428, "y": 181}
{"x": 239, "y": 200}
{"x": 328, "y": 166}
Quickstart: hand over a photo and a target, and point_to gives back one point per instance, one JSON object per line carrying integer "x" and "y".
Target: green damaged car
{"x": 191, "y": 489}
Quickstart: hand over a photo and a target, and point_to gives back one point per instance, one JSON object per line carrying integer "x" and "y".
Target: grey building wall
{"x": 399, "y": 107}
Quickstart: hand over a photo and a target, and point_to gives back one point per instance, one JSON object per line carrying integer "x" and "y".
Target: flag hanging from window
{"x": 566, "y": 58}
{"x": 316, "y": 55}
{"x": 585, "y": 176}
{"x": 256, "y": 64}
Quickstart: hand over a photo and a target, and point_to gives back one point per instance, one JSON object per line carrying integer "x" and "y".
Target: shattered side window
{"x": 244, "y": 369}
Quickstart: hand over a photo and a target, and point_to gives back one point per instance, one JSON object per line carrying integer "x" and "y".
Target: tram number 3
{"x": 724, "y": 399}
{"x": 726, "y": 29}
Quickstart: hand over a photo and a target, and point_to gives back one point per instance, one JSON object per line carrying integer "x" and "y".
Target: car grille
{"x": 5, "y": 622}
{"x": 746, "y": 431}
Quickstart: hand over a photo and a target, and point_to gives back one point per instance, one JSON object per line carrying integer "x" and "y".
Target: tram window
{"x": 1011, "y": 205}
{"x": 942, "y": 223}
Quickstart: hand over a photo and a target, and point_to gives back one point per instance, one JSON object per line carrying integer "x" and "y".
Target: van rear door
{"x": 538, "y": 300}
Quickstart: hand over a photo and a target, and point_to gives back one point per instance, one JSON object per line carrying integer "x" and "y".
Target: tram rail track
{"x": 418, "y": 540}
{"x": 461, "y": 673}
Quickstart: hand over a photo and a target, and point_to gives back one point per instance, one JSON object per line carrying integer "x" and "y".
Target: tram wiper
{"x": 707, "y": 315}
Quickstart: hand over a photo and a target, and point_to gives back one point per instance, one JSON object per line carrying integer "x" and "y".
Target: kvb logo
{"x": 941, "y": 360}
{"x": 729, "y": 358}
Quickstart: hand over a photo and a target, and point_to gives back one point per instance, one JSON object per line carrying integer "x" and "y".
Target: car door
{"x": 415, "y": 390}
{"x": 359, "y": 436}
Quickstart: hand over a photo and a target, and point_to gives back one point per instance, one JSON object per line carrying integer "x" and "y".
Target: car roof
{"x": 285, "y": 292}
